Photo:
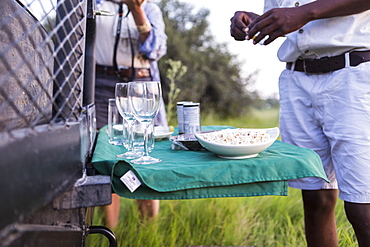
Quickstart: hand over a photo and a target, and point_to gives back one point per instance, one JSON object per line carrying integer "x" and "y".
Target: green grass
{"x": 268, "y": 221}
{"x": 254, "y": 119}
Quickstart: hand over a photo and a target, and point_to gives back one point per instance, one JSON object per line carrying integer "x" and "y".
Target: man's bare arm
{"x": 281, "y": 21}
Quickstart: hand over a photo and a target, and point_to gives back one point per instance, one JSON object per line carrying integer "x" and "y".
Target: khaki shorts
{"x": 330, "y": 114}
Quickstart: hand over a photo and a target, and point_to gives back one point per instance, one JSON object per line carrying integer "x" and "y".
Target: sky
{"x": 252, "y": 57}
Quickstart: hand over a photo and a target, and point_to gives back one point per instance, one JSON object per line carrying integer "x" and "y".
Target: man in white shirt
{"x": 325, "y": 102}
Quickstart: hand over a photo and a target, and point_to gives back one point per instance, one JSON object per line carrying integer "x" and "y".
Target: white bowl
{"x": 237, "y": 151}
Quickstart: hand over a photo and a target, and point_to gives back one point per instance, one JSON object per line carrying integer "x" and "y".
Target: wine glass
{"x": 124, "y": 108}
{"x": 144, "y": 97}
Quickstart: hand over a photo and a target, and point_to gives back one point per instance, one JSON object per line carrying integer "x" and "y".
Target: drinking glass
{"x": 117, "y": 125}
{"x": 124, "y": 108}
{"x": 145, "y": 99}
{"x": 138, "y": 137}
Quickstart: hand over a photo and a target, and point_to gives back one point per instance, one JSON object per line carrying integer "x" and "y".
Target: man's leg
{"x": 148, "y": 208}
{"x": 358, "y": 215}
{"x": 112, "y": 212}
{"x": 319, "y": 206}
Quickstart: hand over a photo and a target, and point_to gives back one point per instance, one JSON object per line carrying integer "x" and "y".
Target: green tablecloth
{"x": 202, "y": 174}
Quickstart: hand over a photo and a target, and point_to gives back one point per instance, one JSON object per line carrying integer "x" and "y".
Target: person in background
{"x": 128, "y": 46}
{"x": 325, "y": 102}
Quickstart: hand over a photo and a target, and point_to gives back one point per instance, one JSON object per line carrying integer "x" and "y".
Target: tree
{"x": 213, "y": 77}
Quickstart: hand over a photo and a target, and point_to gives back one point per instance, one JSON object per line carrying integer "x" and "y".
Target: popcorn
{"x": 237, "y": 136}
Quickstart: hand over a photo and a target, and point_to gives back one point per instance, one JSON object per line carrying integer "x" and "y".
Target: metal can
{"x": 180, "y": 115}
{"x": 191, "y": 113}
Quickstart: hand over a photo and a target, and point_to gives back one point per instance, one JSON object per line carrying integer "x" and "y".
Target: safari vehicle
{"x": 47, "y": 124}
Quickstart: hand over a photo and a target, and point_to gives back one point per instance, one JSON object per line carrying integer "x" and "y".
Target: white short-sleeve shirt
{"x": 325, "y": 37}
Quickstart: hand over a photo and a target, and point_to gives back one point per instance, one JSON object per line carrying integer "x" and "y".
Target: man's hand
{"x": 276, "y": 23}
{"x": 239, "y": 23}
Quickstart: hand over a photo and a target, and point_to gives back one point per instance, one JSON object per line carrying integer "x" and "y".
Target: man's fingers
{"x": 236, "y": 29}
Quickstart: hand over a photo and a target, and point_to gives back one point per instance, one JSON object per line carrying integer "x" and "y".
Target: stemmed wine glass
{"x": 144, "y": 97}
{"x": 124, "y": 108}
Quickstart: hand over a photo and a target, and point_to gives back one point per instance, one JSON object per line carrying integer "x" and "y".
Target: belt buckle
{"x": 122, "y": 67}
{"x": 305, "y": 66}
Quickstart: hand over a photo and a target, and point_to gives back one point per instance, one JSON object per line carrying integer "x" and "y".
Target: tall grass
{"x": 269, "y": 221}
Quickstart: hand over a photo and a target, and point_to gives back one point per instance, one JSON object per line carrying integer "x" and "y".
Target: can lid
{"x": 191, "y": 104}
{"x": 184, "y": 102}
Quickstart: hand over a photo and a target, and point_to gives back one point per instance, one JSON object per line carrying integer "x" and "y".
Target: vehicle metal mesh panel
{"x": 42, "y": 46}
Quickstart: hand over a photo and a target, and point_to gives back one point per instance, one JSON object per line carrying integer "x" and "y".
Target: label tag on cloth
{"x": 131, "y": 181}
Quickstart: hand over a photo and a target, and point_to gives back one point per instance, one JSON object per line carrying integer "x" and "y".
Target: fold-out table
{"x": 201, "y": 174}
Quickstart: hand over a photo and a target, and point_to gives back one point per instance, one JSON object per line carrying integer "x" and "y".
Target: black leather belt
{"x": 329, "y": 64}
{"x": 123, "y": 73}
